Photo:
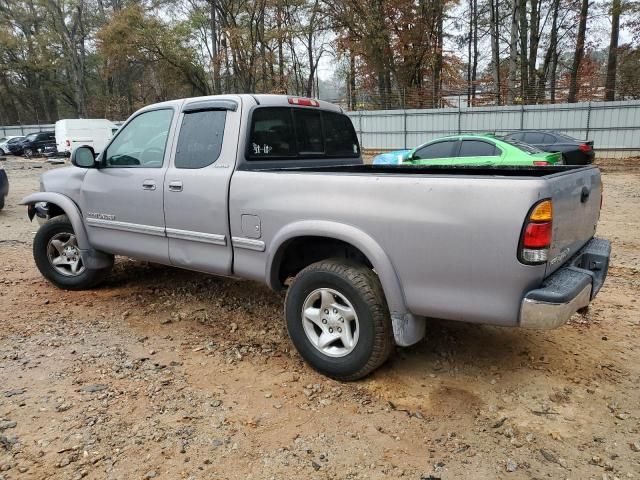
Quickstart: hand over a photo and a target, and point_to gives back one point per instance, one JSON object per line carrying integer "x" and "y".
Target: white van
{"x": 73, "y": 133}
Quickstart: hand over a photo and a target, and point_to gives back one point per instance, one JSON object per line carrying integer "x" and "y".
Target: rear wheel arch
{"x": 335, "y": 240}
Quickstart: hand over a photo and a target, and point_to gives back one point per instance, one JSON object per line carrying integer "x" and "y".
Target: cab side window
{"x": 200, "y": 139}
{"x": 436, "y": 150}
{"x": 142, "y": 142}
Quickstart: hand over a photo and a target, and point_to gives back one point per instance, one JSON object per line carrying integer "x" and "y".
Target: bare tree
{"x": 494, "y": 27}
{"x": 574, "y": 86}
{"x": 513, "y": 51}
{"x": 612, "y": 61}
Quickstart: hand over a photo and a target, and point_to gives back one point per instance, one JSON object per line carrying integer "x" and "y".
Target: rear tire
{"x": 1, "y": 202}
{"x": 58, "y": 258}
{"x": 329, "y": 297}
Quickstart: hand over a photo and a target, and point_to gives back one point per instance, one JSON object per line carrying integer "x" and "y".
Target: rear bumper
{"x": 569, "y": 289}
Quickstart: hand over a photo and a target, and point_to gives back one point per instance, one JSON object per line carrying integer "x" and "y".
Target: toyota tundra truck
{"x": 273, "y": 188}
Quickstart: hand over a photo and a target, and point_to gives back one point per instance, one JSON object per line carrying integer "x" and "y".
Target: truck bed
{"x": 499, "y": 171}
{"x": 450, "y": 233}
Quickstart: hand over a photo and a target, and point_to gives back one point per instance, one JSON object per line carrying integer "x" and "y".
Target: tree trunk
{"x": 437, "y": 66}
{"x": 310, "y": 57}
{"x": 472, "y": 52}
{"x": 474, "y": 69}
{"x": 469, "y": 44}
{"x": 534, "y": 42}
{"x": 215, "y": 60}
{"x": 612, "y": 61}
{"x": 553, "y": 77}
{"x": 524, "y": 62}
{"x": 513, "y": 52}
{"x": 352, "y": 81}
{"x": 574, "y": 87}
{"x": 495, "y": 47}
{"x": 281, "y": 82}
{"x": 550, "y": 55}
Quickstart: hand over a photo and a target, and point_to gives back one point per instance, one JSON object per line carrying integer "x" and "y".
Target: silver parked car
{"x": 273, "y": 189}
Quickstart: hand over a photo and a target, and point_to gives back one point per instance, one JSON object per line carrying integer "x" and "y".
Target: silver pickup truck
{"x": 273, "y": 188}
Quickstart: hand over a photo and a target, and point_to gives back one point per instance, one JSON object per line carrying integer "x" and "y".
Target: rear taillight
{"x": 540, "y": 163}
{"x": 537, "y": 234}
{"x": 68, "y": 142}
{"x": 584, "y": 147}
{"x": 305, "y": 102}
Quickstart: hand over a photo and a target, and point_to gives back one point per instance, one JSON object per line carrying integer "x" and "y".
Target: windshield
{"x": 15, "y": 140}
{"x": 32, "y": 136}
{"x": 521, "y": 145}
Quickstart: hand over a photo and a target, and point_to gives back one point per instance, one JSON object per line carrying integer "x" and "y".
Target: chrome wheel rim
{"x": 330, "y": 322}
{"x": 64, "y": 255}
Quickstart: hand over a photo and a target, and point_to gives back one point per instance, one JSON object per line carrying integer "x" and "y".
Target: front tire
{"x": 58, "y": 258}
{"x": 338, "y": 319}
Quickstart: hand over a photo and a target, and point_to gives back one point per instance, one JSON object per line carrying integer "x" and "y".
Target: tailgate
{"x": 576, "y": 210}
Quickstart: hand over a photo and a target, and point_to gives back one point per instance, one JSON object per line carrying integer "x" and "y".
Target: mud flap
{"x": 408, "y": 329}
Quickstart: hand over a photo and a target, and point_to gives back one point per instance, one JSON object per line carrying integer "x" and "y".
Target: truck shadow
{"x": 455, "y": 351}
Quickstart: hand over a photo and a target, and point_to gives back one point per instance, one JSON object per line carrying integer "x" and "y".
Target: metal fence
{"x": 15, "y": 130}
{"x": 613, "y": 126}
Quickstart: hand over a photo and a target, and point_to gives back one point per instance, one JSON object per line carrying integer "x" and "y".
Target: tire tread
{"x": 366, "y": 282}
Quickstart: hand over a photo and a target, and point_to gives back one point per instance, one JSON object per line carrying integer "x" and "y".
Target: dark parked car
{"x": 4, "y": 186}
{"x": 5, "y": 146}
{"x": 33, "y": 143}
{"x": 574, "y": 151}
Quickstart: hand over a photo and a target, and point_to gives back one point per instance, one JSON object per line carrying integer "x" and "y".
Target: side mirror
{"x": 83, "y": 157}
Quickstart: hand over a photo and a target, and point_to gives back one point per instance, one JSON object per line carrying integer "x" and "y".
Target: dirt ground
{"x": 162, "y": 373}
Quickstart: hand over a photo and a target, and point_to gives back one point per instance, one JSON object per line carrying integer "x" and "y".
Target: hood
{"x": 66, "y": 180}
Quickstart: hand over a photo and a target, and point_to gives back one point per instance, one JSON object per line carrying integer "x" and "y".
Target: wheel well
{"x": 300, "y": 252}
{"x": 55, "y": 210}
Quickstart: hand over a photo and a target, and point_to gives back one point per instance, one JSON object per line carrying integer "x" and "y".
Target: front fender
{"x": 349, "y": 234}
{"x": 70, "y": 209}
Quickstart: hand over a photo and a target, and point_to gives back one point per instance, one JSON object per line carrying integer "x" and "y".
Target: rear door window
{"x": 436, "y": 150}
{"x": 477, "y": 148}
{"x": 200, "y": 139}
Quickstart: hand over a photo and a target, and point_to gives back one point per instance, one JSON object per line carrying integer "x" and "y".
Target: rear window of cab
{"x": 295, "y": 133}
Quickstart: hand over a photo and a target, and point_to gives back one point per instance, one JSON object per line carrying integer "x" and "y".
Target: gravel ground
{"x": 162, "y": 373}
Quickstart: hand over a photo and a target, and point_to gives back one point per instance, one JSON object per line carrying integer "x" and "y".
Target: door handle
{"x": 148, "y": 185}
{"x": 584, "y": 194}
{"x": 175, "y": 186}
